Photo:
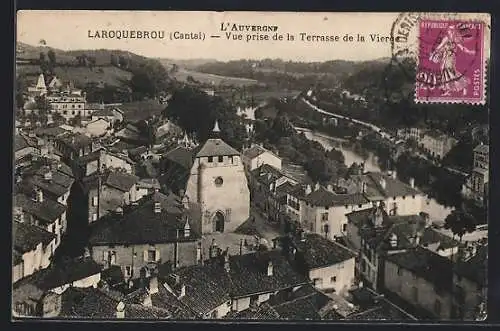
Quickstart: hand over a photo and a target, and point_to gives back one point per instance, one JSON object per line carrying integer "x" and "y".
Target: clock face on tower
{"x": 218, "y": 181}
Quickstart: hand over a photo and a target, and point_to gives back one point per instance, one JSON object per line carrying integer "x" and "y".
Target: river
{"x": 436, "y": 211}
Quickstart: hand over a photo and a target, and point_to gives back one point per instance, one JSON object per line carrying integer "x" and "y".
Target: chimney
{"x": 412, "y": 182}
{"x": 270, "y": 268}
{"x": 329, "y": 187}
{"x": 227, "y": 266}
{"x": 187, "y": 229}
{"x": 39, "y": 195}
{"x": 316, "y": 187}
{"x": 48, "y": 175}
{"x": 119, "y": 211}
{"x": 157, "y": 207}
{"x": 120, "y": 310}
{"x": 308, "y": 189}
{"x": 146, "y": 301}
{"x": 198, "y": 254}
{"x": 182, "y": 291}
{"x": 153, "y": 285}
{"x": 383, "y": 183}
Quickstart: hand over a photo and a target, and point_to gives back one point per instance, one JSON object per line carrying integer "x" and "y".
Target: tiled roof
{"x": 148, "y": 183}
{"x": 46, "y": 211}
{"x": 60, "y": 274}
{"x": 372, "y": 306}
{"x": 180, "y": 155}
{"x": 323, "y": 197}
{"x": 207, "y": 287}
{"x": 254, "y": 151}
{"x": 263, "y": 312}
{"x": 210, "y": 285}
{"x": 394, "y": 187}
{"x": 216, "y": 147}
{"x": 320, "y": 252}
{"x": 425, "y": 264}
{"x": 482, "y": 148}
{"x": 49, "y": 131}
{"x": 176, "y": 169}
{"x": 97, "y": 304}
{"x": 121, "y": 181}
{"x": 59, "y": 184}
{"x": 306, "y": 303}
{"x": 248, "y": 273}
{"x": 474, "y": 268}
{"x": 26, "y": 237}
{"x": 19, "y": 143}
{"x": 76, "y": 140}
{"x": 284, "y": 189}
{"x": 112, "y": 275}
{"x": 103, "y": 112}
{"x": 166, "y": 300}
{"x": 142, "y": 225}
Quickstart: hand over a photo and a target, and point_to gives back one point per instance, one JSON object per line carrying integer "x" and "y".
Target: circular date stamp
{"x": 449, "y": 56}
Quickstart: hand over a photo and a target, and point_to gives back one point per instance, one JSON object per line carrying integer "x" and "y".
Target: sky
{"x": 70, "y": 30}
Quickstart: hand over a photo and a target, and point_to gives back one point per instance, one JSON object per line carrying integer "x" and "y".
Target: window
{"x": 94, "y": 201}
{"x": 128, "y": 271}
{"x": 437, "y": 307}
{"x": 317, "y": 281}
{"x": 218, "y": 181}
{"x": 414, "y": 294}
{"x": 112, "y": 258}
{"x": 231, "y": 159}
{"x": 94, "y": 217}
{"x": 359, "y": 206}
{"x": 333, "y": 279}
{"x": 393, "y": 198}
{"x": 210, "y": 159}
{"x": 214, "y": 314}
{"x": 344, "y": 227}
{"x": 324, "y": 217}
{"x": 220, "y": 159}
{"x": 404, "y": 197}
{"x": 400, "y": 271}
{"x": 151, "y": 255}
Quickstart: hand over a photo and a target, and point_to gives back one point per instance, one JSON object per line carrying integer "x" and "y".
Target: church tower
{"x": 219, "y": 184}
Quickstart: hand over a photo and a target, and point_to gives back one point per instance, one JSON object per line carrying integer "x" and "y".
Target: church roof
{"x": 216, "y": 147}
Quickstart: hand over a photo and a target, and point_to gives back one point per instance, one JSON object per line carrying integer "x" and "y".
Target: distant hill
{"x": 68, "y": 68}
{"x": 186, "y": 64}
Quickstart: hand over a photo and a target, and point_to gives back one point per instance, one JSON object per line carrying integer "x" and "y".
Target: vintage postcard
{"x": 251, "y": 166}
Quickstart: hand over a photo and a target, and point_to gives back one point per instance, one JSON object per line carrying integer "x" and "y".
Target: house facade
{"x": 33, "y": 248}
{"x": 422, "y": 279}
{"x": 476, "y": 185}
{"x": 256, "y": 156}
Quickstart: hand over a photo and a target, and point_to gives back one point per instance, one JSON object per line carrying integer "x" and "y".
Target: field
{"x": 215, "y": 80}
{"x": 80, "y": 76}
{"x": 141, "y": 110}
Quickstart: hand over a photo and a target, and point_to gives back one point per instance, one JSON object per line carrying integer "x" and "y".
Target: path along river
{"x": 436, "y": 211}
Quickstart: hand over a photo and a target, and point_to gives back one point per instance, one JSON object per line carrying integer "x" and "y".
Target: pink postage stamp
{"x": 451, "y": 63}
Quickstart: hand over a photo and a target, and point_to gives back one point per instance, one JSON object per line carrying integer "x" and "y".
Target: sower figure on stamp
{"x": 445, "y": 54}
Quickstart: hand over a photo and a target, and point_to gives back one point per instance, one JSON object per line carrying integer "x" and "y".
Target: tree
{"x": 123, "y": 62}
{"x": 460, "y": 222}
{"x": 58, "y": 118}
{"x": 52, "y": 59}
{"x": 114, "y": 60}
